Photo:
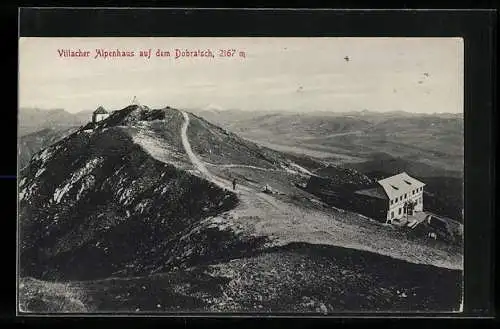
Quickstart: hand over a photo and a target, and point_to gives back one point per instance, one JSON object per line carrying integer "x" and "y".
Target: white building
{"x": 99, "y": 114}
{"x": 404, "y": 195}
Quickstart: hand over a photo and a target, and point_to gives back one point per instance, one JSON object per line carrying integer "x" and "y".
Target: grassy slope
{"x": 294, "y": 278}
{"x": 50, "y": 297}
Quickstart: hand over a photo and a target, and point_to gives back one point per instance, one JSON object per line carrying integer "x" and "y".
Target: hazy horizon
{"x": 415, "y": 75}
{"x": 257, "y": 110}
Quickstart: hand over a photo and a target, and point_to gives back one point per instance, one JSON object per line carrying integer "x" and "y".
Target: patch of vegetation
{"x": 50, "y": 297}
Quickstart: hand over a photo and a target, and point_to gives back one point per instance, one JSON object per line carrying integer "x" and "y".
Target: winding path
{"x": 288, "y": 223}
{"x": 200, "y": 166}
{"x": 197, "y": 163}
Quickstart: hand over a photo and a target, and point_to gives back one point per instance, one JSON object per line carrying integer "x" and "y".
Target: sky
{"x": 422, "y": 75}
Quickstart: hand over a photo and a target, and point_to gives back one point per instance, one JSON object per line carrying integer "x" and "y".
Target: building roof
{"x": 399, "y": 184}
{"x": 375, "y": 192}
{"x": 100, "y": 110}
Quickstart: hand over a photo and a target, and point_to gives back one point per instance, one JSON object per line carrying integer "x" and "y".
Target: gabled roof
{"x": 100, "y": 110}
{"x": 399, "y": 184}
{"x": 375, "y": 192}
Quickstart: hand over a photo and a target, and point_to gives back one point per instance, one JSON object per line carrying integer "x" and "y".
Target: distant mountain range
{"x": 436, "y": 139}
{"x": 31, "y": 143}
{"x": 33, "y": 119}
{"x": 370, "y": 113}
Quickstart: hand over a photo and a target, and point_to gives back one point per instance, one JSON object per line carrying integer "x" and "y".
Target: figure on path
{"x": 234, "y": 184}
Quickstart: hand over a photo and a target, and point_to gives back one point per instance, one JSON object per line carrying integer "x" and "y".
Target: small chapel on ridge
{"x": 99, "y": 114}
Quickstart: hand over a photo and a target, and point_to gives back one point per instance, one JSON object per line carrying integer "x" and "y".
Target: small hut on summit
{"x": 99, "y": 114}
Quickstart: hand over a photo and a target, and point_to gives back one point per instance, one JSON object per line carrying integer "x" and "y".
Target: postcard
{"x": 246, "y": 175}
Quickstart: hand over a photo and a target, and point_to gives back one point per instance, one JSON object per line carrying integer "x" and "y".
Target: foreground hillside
{"x": 139, "y": 211}
{"x": 295, "y": 278}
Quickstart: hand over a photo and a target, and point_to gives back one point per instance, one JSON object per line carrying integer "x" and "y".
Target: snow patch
{"x": 22, "y": 194}
{"x": 301, "y": 169}
{"x": 39, "y": 172}
{"x": 125, "y": 197}
{"x": 290, "y": 171}
{"x": 87, "y": 182}
{"x": 75, "y": 177}
{"x": 27, "y": 191}
{"x": 45, "y": 154}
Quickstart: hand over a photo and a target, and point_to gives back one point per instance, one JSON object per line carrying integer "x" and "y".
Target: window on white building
{"x": 392, "y": 214}
{"x": 399, "y": 212}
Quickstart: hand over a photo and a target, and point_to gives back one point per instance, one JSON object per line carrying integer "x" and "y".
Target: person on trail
{"x": 234, "y": 184}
